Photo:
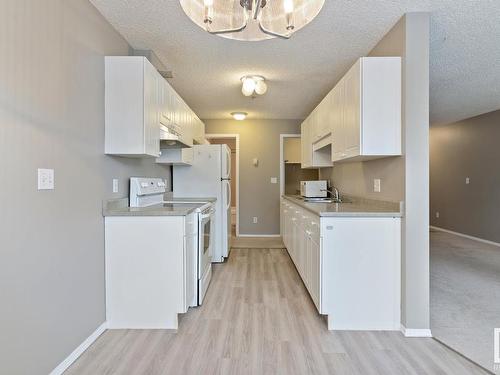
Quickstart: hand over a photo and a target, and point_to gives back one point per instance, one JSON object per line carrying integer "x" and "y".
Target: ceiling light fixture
{"x": 252, "y": 19}
{"x": 240, "y": 116}
{"x": 252, "y": 85}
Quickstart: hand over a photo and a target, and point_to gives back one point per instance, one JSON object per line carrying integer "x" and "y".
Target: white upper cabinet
{"x": 199, "y": 131}
{"x": 371, "y": 107}
{"x": 131, "y": 107}
{"x": 361, "y": 117}
{"x": 305, "y": 145}
{"x": 138, "y": 102}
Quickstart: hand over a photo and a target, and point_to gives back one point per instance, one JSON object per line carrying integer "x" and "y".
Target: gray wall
{"x": 467, "y": 148}
{"x": 404, "y": 178}
{"x": 258, "y": 197}
{"x": 52, "y": 116}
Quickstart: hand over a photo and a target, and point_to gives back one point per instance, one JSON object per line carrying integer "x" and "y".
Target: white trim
{"x": 261, "y": 235}
{"x": 465, "y": 236}
{"x": 237, "y": 137}
{"x": 282, "y": 161}
{"x": 415, "y": 332}
{"x": 64, "y": 365}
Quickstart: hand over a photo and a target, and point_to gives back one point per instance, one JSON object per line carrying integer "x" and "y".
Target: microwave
{"x": 313, "y": 189}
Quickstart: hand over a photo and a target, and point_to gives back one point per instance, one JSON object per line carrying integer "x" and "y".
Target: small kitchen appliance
{"x": 313, "y": 189}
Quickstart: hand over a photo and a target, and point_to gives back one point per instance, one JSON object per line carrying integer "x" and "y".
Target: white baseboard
{"x": 260, "y": 235}
{"x": 465, "y": 236}
{"x": 415, "y": 332}
{"x": 64, "y": 365}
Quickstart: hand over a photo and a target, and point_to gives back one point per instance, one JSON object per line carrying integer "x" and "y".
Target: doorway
{"x": 233, "y": 142}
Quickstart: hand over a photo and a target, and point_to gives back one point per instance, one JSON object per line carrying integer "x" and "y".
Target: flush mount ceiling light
{"x": 252, "y": 19}
{"x": 240, "y": 116}
{"x": 252, "y": 85}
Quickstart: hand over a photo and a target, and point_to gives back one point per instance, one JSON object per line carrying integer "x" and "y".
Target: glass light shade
{"x": 239, "y": 116}
{"x": 288, "y": 6}
{"x": 248, "y": 86}
{"x": 261, "y": 87}
{"x": 274, "y": 17}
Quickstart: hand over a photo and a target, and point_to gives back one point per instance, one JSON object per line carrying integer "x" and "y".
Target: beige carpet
{"x": 257, "y": 243}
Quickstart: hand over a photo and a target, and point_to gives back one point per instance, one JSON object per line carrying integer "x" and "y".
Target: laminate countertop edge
{"x": 177, "y": 207}
{"x": 354, "y": 207}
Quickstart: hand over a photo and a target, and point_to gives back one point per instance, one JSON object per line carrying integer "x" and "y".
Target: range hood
{"x": 170, "y": 138}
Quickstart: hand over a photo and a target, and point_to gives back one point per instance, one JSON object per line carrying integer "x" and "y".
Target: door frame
{"x": 282, "y": 159}
{"x": 237, "y": 137}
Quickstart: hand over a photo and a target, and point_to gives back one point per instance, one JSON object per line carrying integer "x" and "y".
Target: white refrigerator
{"x": 209, "y": 176}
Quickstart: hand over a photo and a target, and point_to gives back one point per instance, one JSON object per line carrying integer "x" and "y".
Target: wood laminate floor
{"x": 258, "y": 319}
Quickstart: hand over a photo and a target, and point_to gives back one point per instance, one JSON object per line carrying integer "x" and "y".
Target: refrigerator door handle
{"x": 228, "y": 194}
{"x": 228, "y": 162}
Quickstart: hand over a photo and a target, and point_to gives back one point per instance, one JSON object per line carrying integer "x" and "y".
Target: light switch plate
{"x": 274, "y": 180}
{"x": 45, "y": 179}
{"x": 255, "y": 220}
{"x": 467, "y": 180}
{"x": 376, "y": 185}
{"x": 115, "y": 185}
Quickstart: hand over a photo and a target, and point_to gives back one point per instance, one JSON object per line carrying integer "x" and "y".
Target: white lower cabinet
{"x": 351, "y": 266}
{"x": 150, "y": 268}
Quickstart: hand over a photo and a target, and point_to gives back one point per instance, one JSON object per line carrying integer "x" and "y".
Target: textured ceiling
{"x": 465, "y": 55}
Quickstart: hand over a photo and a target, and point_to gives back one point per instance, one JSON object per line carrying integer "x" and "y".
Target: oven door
{"x": 206, "y": 231}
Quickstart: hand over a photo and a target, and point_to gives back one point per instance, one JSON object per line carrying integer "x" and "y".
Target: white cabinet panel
{"x": 350, "y": 266}
{"x": 314, "y": 270}
{"x": 337, "y": 120}
{"x": 131, "y": 107}
{"x": 152, "y": 81}
{"x": 306, "y": 144}
{"x": 351, "y": 132}
{"x": 145, "y": 262}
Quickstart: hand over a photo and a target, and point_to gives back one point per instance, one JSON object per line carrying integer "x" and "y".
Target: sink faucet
{"x": 335, "y": 193}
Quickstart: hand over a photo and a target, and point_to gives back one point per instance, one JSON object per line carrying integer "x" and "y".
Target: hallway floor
{"x": 465, "y": 295}
{"x": 258, "y": 319}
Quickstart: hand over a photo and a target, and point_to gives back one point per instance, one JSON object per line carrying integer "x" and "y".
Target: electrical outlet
{"x": 467, "y": 180}
{"x": 376, "y": 185}
{"x": 437, "y": 214}
{"x": 45, "y": 179}
{"x": 115, "y": 185}
{"x": 255, "y": 220}
{"x": 274, "y": 180}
